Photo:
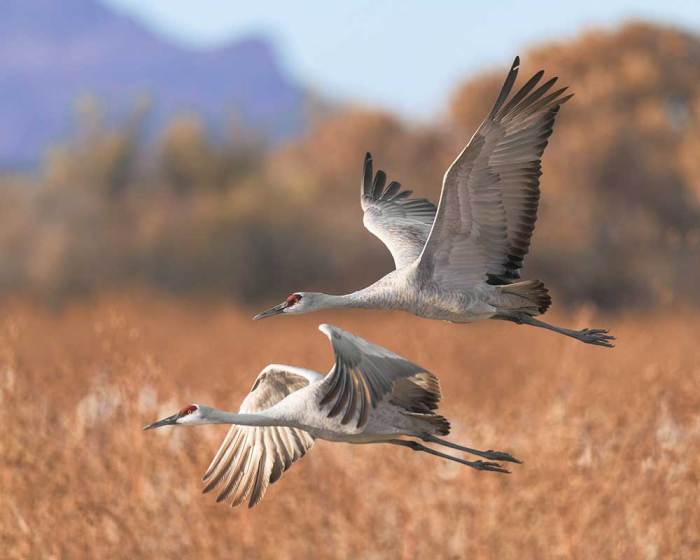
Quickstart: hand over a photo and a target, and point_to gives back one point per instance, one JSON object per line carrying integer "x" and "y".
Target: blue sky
{"x": 406, "y": 55}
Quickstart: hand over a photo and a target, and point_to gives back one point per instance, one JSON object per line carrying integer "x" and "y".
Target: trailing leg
{"x": 597, "y": 337}
{"x": 490, "y": 454}
{"x": 478, "y": 465}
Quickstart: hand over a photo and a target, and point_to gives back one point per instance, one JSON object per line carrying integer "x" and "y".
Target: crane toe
{"x": 501, "y": 456}
{"x": 597, "y": 337}
{"x": 488, "y": 466}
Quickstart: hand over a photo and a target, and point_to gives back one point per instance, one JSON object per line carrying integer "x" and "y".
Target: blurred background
{"x": 169, "y": 167}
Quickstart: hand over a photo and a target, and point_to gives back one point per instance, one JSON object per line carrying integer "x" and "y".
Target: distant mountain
{"x": 53, "y": 51}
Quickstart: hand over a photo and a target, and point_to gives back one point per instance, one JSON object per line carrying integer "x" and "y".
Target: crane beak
{"x": 276, "y": 310}
{"x": 169, "y": 421}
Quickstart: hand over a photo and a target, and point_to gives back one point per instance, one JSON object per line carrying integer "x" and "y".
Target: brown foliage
{"x": 198, "y": 214}
{"x": 610, "y": 440}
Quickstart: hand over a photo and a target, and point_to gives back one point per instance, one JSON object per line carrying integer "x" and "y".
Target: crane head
{"x": 190, "y": 414}
{"x": 297, "y": 302}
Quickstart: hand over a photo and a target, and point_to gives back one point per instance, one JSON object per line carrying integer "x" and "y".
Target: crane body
{"x": 460, "y": 261}
{"x": 370, "y": 396}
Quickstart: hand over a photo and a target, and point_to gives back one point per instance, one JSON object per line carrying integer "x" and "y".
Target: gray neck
{"x": 216, "y": 416}
{"x": 367, "y": 298}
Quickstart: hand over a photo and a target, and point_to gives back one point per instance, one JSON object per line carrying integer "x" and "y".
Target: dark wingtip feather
{"x": 393, "y": 188}
{"x": 374, "y": 189}
{"x": 378, "y": 185}
{"x": 521, "y": 94}
{"x": 536, "y": 95}
{"x": 506, "y": 88}
{"x": 547, "y": 101}
{"x": 367, "y": 174}
{"x": 565, "y": 98}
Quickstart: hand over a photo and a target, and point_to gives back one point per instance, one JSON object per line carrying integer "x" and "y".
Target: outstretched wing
{"x": 400, "y": 222}
{"x": 490, "y": 193}
{"x": 363, "y": 374}
{"x": 252, "y": 458}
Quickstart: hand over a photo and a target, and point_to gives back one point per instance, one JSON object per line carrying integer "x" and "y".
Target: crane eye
{"x": 188, "y": 410}
{"x": 292, "y": 299}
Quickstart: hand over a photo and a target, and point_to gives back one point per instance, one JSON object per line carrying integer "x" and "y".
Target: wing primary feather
{"x": 289, "y": 455}
{"x": 243, "y": 489}
{"x": 367, "y": 175}
{"x": 278, "y": 463}
{"x": 249, "y": 474}
{"x": 378, "y": 384}
{"x": 391, "y": 190}
{"x": 542, "y": 103}
{"x": 341, "y": 400}
{"x": 236, "y": 474}
{"x": 261, "y": 476}
{"x": 232, "y": 455}
{"x": 350, "y": 408}
{"x": 300, "y": 447}
{"x": 363, "y": 416}
{"x": 378, "y": 185}
{"x": 507, "y": 87}
{"x": 520, "y": 95}
{"x": 220, "y": 453}
{"x": 333, "y": 389}
{"x": 406, "y": 194}
{"x": 565, "y": 99}
{"x": 530, "y": 99}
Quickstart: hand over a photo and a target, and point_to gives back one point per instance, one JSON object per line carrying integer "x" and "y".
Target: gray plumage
{"x": 250, "y": 458}
{"x": 401, "y": 223}
{"x": 461, "y": 261}
{"x": 370, "y": 396}
{"x": 362, "y": 376}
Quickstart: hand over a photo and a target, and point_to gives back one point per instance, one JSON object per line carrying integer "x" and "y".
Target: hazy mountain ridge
{"x": 54, "y": 51}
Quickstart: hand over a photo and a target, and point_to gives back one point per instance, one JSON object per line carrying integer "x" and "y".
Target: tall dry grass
{"x": 610, "y": 439}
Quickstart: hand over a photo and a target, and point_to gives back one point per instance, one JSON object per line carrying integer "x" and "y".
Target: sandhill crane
{"x": 461, "y": 261}
{"x": 370, "y": 395}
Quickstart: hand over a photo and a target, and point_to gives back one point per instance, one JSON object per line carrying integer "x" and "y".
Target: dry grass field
{"x": 610, "y": 439}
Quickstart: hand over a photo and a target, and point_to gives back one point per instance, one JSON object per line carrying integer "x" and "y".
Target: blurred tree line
{"x": 619, "y": 221}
